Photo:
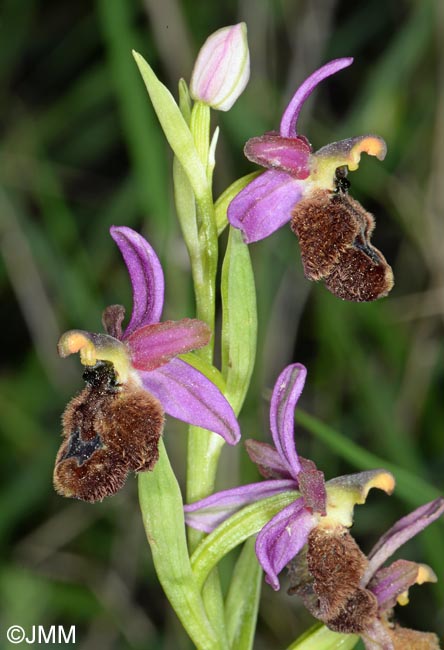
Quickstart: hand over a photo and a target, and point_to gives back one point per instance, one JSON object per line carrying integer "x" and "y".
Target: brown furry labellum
{"x": 108, "y": 430}
{"x": 334, "y": 234}
{"x": 329, "y": 581}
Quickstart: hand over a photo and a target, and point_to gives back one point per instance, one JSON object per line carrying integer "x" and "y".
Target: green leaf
{"x": 242, "y": 601}
{"x": 175, "y": 128}
{"x": 163, "y": 518}
{"x": 184, "y": 100}
{"x": 321, "y": 638}
{"x": 222, "y": 203}
{"x": 239, "y": 319}
{"x": 235, "y": 530}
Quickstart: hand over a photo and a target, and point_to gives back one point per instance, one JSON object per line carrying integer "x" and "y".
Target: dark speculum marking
{"x": 109, "y": 430}
{"x": 101, "y": 376}
{"x": 80, "y": 449}
{"x": 334, "y": 234}
{"x": 341, "y": 181}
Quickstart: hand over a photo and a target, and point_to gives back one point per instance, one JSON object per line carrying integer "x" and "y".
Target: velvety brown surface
{"x": 334, "y": 234}
{"x": 108, "y": 431}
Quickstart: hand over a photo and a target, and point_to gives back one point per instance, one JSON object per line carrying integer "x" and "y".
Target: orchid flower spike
{"x": 317, "y": 504}
{"x": 352, "y": 593}
{"x": 310, "y": 190}
{"x": 222, "y": 68}
{"x": 133, "y": 377}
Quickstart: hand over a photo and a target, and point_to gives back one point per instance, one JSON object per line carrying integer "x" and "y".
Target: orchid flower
{"x": 310, "y": 189}
{"x": 350, "y": 592}
{"x": 317, "y": 504}
{"x": 133, "y": 377}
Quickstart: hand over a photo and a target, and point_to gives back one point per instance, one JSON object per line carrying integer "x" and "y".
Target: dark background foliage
{"x": 81, "y": 150}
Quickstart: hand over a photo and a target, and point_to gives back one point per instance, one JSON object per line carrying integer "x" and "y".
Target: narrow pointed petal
{"x": 402, "y": 531}
{"x": 146, "y": 277}
{"x": 286, "y": 393}
{"x": 391, "y": 584}
{"x": 208, "y": 513}
{"x": 186, "y": 394}
{"x": 282, "y": 539}
{"x": 289, "y": 155}
{"x": 291, "y": 114}
{"x": 265, "y": 204}
{"x": 267, "y": 459}
{"x": 154, "y": 345}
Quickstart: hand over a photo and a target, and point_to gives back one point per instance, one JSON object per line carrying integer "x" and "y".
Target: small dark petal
{"x": 108, "y": 431}
{"x": 112, "y": 319}
{"x": 312, "y": 488}
{"x": 334, "y": 236}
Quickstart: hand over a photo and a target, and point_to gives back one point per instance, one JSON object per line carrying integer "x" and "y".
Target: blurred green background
{"x": 81, "y": 149}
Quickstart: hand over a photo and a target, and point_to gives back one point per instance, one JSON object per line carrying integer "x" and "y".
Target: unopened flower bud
{"x": 222, "y": 68}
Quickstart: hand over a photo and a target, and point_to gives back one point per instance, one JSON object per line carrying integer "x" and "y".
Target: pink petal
{"x": 265, "y": 204}
{"x": 154, "y": 345}
{"x": 146, "y": 277}
{"x": 291, "y": 113}
{"x": 402, "y": 531}
{"x": 186, "y": 394}
{"x": 286, "y": 393}
{"x": 394, "y": 580}
{"x": 267, "y": 459}
{"x": 289, "y": 155}
{"x": 208, "y": 513}
{"x": 282, "y": 539}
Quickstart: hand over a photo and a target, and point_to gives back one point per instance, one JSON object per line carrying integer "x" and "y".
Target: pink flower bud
{"x": 222, "y": 68}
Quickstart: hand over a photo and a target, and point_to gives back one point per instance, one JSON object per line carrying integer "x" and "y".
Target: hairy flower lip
{"x": 316, "y": 503}
{"x": 294, "y": 176}
{"x": 146, "y": 350}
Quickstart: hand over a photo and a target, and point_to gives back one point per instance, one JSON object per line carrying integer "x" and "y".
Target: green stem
{"x": 162, "y": 510}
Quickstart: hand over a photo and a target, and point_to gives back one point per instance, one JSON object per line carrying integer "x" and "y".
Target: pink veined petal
{"x": 154, "y": 345}
{"x": 282, "y": 539}
{"x": 286, "y": 393}
{"x": 392, "y": 581}
{"x": 146, "y": 277}
{"x": 265, "y": 204}
{"x": 289, "y": 155}
{"x": 401, "y": 532}
{"x": 208, "y": 513}
{"x": 186, "y": 394}
{"x": 291, "y": 113}
{"x": 265, "y": 456}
